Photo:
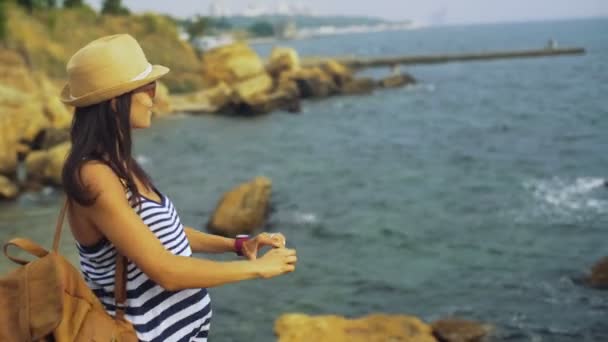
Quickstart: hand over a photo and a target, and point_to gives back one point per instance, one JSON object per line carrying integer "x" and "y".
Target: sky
{"x": 422, "y": 11}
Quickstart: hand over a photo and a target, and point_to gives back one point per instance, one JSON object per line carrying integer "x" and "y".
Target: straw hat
{"x": 105, "y": 68}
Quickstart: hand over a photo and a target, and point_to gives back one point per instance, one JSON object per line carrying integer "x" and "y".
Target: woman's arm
{"x": 118, "y": 222}
{"x": 208, "y": 243}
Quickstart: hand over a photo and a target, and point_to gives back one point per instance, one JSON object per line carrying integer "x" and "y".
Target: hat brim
{"x": 101, "y": 95}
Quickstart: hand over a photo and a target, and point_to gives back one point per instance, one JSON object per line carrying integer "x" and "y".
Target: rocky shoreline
{"x": 34, "y": 126}
{"x": 238, "y": 82}
{"x": 377, "y": 327}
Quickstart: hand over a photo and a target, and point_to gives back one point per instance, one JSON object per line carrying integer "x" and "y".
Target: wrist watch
{"x": 238, "y": 243}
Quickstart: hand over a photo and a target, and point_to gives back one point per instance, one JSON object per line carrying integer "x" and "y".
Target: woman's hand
{"x": 276, "y": 262}
{"x": 251, "y": 246}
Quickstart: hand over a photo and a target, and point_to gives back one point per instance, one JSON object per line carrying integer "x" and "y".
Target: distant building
{"x": 211, "y": 42}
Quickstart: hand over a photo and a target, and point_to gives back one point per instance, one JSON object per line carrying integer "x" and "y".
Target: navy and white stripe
{"x": 156, "y": 314}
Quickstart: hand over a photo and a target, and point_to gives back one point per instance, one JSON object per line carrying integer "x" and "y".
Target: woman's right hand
{"x": 276, "y": 261}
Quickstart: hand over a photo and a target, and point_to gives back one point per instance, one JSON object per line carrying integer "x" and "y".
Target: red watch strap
{"x": 238, "y": 244}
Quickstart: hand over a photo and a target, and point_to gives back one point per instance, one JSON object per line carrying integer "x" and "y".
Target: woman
{"x": 115, "y": 208}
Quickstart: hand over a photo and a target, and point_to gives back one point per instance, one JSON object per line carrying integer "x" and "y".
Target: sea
{"x": 477, "y": 193}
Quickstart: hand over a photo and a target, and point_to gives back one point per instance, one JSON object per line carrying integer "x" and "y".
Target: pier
{"x": 369, "y": 62}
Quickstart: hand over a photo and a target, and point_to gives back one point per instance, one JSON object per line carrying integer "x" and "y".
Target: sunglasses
{"x": 149, "y": 89}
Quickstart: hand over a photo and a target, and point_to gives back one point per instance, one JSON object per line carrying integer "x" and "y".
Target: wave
{"x": 296, "y": 217}
{"x": 579, "y": 194}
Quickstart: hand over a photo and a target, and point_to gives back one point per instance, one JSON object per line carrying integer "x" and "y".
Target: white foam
{"x": 571, "y": 195}
{"x": 305, "y": 218}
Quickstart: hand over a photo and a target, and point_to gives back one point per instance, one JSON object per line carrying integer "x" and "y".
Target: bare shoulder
{"x": 101, "y": 181}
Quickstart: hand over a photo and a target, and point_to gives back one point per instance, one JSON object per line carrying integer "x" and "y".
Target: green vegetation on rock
{"x": 73, "y": 3}
{"x": 2, "y": 21}
{"x": 47, "y": 39}
{"x": 114, "y": 7}
{"x": 262, "y": 29}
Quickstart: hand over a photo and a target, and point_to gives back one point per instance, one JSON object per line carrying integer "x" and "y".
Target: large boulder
{"x": 14, "y": 72}
{"x": 230, "y": 64}
{"x": 243, "y": 209}
{"x": 340, "y": 73}
{"x": 46, "y": 166}
{"x": 599, "y": 274}
{"x": 252, "y": 89}
{"x": 20, "y": 123}
{"x": 51, "y": 137}
{"x": 8, "y": 189}
{"x": 210, "y": 100}
{"x": 373, "y": 328}
{"x": 460, "y": 330}
{"x": 311, "y": 82}
{"x": 28, "y": 105}
{"x": 266, "y": 103}
{"x": 282, "y": 59}
{"x": 56, "y": 112}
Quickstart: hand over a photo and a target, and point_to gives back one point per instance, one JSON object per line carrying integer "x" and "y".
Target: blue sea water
{"x": 477, "y": 193}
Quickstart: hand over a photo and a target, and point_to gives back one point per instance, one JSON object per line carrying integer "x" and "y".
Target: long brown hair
{"x": 100, "y": 130}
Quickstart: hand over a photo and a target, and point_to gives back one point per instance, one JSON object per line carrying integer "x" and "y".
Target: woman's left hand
{"x": 251, "y": 246}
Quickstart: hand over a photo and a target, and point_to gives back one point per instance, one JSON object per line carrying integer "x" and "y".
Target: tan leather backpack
{"x": 47, "y": 299}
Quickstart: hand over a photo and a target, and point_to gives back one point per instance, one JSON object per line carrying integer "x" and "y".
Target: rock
{"x": 311, "y": 82}
{"x": 338, "y": 72}
{"x": 8, "y": 190}
{"x": 11, "y": 97}
{"x": 15, "y": 74}
{"x": 266, "y": 103}
{"x": 250, "y": 90}
{"x": 28, "y": 105}
{"x": 46, "y": 166}
{"x": 282, "y": 59}
{"x": 210, "y": 100}
{"x": 243, "y": 209}
{"x": 460, "y": 330}
{"x": 358, "y": 86}
{"x": 9, "y": 140}
{"x": 230, "y": 64}
{"x": 373, "y": 328}
{"x": 56, "y": 112}
{"x": 396, "y": 81}
{"x": 599, "y": 274}
{"x": 18, "y": 124}
{"x": 50, "y": 137}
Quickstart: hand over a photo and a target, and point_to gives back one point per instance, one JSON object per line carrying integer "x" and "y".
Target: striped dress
{"x": 156, "y": 314}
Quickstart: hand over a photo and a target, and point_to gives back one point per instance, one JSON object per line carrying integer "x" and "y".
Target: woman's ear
{"x": 113, "y": 105}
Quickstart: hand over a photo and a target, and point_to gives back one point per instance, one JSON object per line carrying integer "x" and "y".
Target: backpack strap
{"x": 59, "y": 225}
{"x": 120, "y": 274}
{"x": 26, "y": 245}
